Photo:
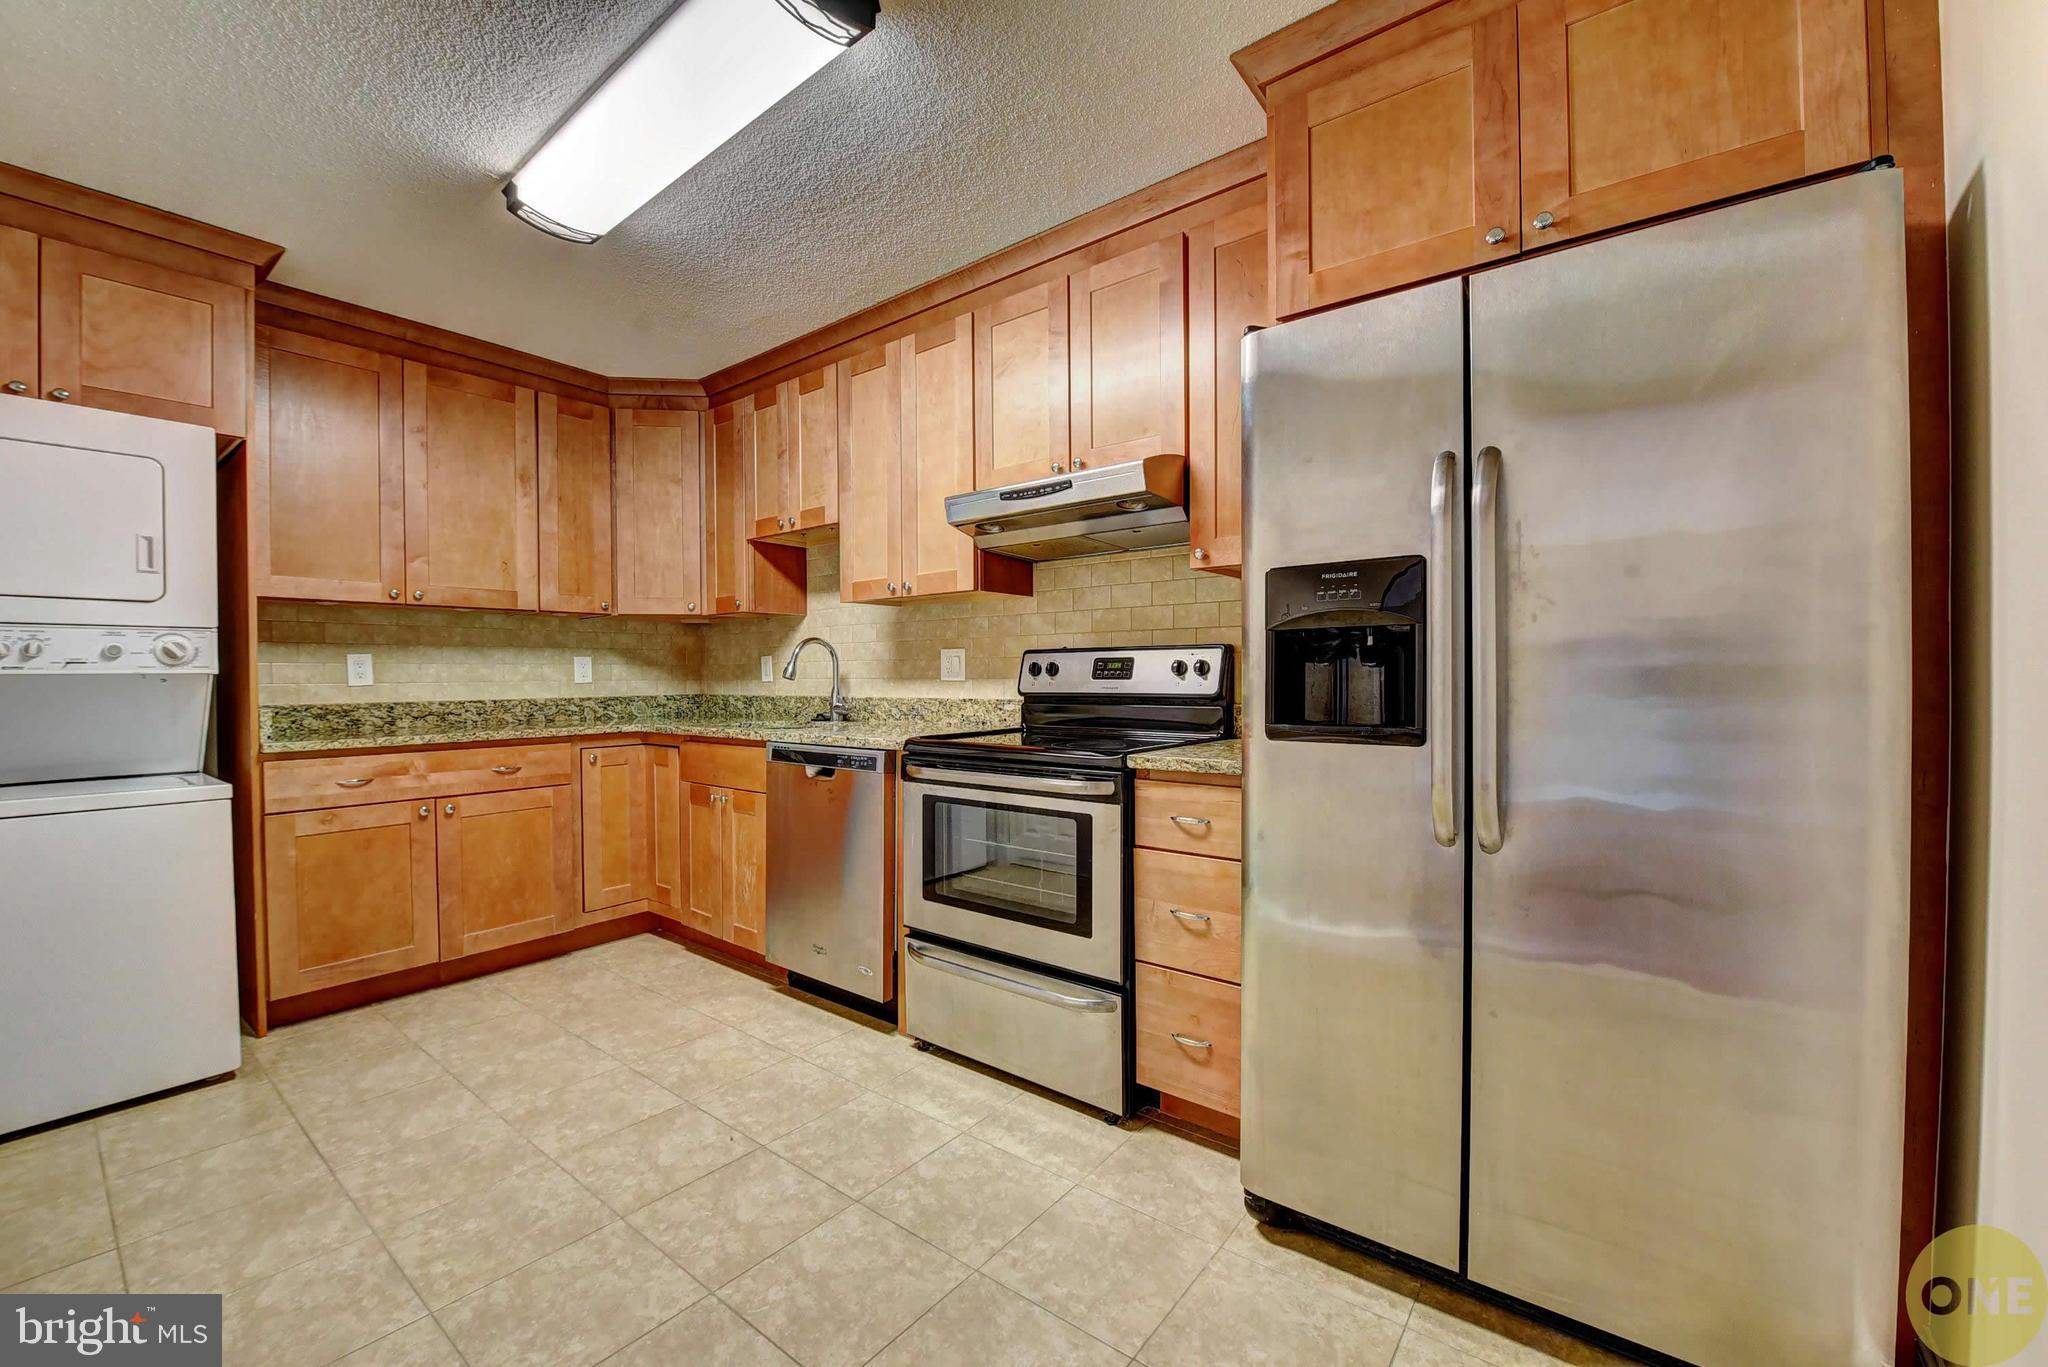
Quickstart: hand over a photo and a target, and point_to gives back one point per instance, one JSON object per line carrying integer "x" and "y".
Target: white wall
{"x": 1995, "y": 84}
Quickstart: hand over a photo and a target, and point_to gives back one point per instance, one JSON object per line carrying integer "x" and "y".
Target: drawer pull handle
{"x": 1193, "y": 916}
{"x": 1190, "y": 820}
{"x": 350, "y": 782}
{"x": 506, "y": 768}
{"x": 1179, "y": 1038}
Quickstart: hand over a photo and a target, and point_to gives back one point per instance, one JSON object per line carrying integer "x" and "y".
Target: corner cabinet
{"x": 659, "y": 552}
{"x": 618, "y": 808}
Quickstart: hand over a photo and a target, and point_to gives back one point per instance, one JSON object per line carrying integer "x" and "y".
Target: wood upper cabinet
{"x": 771, "y": 489}
{"x": 744, "y": 578}
{"x": 1226, "y": 294}
{"x": 575, "y": 491}
{"x": 1128, "y": 360}
{"x": 1020, "y": 386}
{"x": 745, "y": 849}
{"x": 1396, "y": 159}
{"x": 507, "y": 866}
{"x": 1634, "y": 108}
{"x": 470, "y": 522}
{"x": 796, "y": 458}
{"x": 938, "y": 457}
{"x": 18, "y": 289}
{"x": 870, "y": 465}
{"x": 660, "y": 518}
{"x": 350, "y": 894}
{"x": 327, "y": 471}
{"x": 141, "y": 338}
{"x": 617, "y": 812}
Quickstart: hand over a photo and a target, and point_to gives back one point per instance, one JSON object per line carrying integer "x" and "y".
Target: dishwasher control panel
{"x": 824, "y": 757}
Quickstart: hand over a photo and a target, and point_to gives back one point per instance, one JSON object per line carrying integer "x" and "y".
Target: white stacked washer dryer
{"x": 116, "y": 886}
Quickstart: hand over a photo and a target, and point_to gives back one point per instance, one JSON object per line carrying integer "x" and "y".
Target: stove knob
{"x": 174, "y": 650}
{"x": 1180, "y": 669}
{"x": 1052, "y": 670}
{"x": 1036, "y": 669}
{"x": 6, "y": 649}
{"x": 111, "y": 651}
{"x": 31, "y": 649}
{"x": 1201, "y": 669}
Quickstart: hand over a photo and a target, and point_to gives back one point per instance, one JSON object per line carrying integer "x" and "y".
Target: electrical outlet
{"x": 360, "y": 674}
{"x": 582, "y": 666}
{"x": 953, "y": 666}
{"x": 767, "y": 669}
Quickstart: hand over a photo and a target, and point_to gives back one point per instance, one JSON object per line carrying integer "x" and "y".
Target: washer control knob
{"x": 173, "y": 650}
{"x": 31, "y": 649}
{"x": 1180, "y": 669}
{"x": 112, "y": 651}
{"x": 1201, "y": 669}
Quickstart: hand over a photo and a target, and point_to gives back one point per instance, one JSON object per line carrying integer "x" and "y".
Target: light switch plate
{"x": 953, "y": 666}
{"x": 582, "y": 664}
{"x": 360, "y": 673}
{"x": 767, "y": 669}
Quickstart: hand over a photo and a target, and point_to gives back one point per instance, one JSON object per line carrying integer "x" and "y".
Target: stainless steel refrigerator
{"x": 1576, "y": 721}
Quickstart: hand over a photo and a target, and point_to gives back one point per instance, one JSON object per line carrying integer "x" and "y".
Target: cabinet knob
{"x": 1496, "y": 236}
{"x": 60, "y": 394}
{"x": 892, "y": 586}
{"x": 604, "y": 605}
{"x": 425, "y": 810}
{"x": 1545, "y": 219}
{"x": 737, "y": 605}
{"x": 419, "y": 595}
{"x": 1058, "y": 468}
{"x": 449, "y": 809}
{"x": 1080, "y": 464}
{"x": 1201, "y": 552}
{"x": 17, "y": 387}
{"x": 593, "y": 756}
{"x": 394, "y": 595}
{"x": 692, "y": 607}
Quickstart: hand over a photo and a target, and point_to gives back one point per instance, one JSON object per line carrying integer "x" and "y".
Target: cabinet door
{"x": 18, "y": 289}
{"x": 349, "y": 894}
{"x": 142, "y": 339}
{"x": 470, "y": 523}
{"x": 508, "y": 868}
{"x": 771, "y": 488}
{"x": 667, "y": 870}
{"x": 870, "y": 465}
{"x": 1020, "y": 386}
{"x": 1226, "y": 294}
{"x": 813, "y": 401}
{"x": 1396, "y": 159}
{"x": 660, "y": 513}
{"x": 731, "y": 517}
{"x": 617, "y": 805}
{"x": 1129, "y": 355}
{"x": 938, "y": 457}
{"x": 1634, "y": 108}
{"x": 746, "y": 870}
{"x": 327, "y": 464}
{"x": 575, "y": 461}
{"x": 703, "y": 904}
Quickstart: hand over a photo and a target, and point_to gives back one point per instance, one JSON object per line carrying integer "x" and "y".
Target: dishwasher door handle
{"x": 925, "y": 954}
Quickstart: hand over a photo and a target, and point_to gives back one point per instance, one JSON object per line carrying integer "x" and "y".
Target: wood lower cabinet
{"x": 667, "y": 871}
{"x": 1021, "y": 409}
{"x": 618, "y": 807}
{"x": 507, "y": 868}
{"x": 660, "y": 517}
{"x": 574, "y": 463}
{"x": 1188, "y": 1037}
{"x": 1187, "y": 935}
{"x": 470, "y": 499}
{"x": 1128, "y": 358}
{"x": 350, "y": 894}
{"x": 142, "y": 338}
{"x": 1227, "y": 294}
{"x": 19, "y": 347}
{"x": 327, "y": 471}
{"x": 728, "y": 858}
{"x": 703, "y": 905}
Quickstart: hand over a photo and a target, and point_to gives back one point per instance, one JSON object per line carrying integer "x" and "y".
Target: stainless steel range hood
{"x": 1133, "y": 505}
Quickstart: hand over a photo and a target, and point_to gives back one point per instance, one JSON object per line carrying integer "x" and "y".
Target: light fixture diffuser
{"x": 705, "y": 72}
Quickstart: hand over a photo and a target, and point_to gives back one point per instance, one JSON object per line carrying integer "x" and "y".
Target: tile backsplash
{"x": 1148, "y": 597}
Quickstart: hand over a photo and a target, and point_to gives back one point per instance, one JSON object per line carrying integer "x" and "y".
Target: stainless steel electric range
{"x": 1017, "y": 856}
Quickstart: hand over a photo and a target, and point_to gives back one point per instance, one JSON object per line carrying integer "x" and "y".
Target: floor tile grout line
{"x": 107, "y": 1194}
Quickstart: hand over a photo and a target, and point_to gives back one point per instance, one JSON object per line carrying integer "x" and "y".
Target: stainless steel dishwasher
{"x": 828, "y": 866}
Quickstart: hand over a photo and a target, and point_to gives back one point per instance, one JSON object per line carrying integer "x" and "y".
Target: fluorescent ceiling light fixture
{"x": 705, "y": 72}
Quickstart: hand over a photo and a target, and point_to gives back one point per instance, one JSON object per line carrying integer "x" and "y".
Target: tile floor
{"x": 640, "y": 1155}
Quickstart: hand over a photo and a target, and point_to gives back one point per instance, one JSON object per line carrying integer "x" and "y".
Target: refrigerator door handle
{"x": 1444, "y": 601}
{"x": 1486, "y": 828}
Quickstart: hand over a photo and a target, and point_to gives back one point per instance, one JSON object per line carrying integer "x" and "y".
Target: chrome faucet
{"x": 838, "y": 705}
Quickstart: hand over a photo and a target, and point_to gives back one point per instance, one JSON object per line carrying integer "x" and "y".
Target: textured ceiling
{"x": 370, "y": 138}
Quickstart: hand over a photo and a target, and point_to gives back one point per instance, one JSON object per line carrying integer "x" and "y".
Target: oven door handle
{"x": 1020, "y": 783}
{"x": 925, "y": 954}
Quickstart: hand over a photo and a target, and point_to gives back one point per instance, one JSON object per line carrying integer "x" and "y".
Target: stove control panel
{"x": 108, "y": 650}
{"x": 1193, "y": 672}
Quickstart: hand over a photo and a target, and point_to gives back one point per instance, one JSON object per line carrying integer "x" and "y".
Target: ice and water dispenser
{"x": 1345, "y": 651}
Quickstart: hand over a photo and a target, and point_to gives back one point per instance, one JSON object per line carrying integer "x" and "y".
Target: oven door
{"x": 1024, "y": 864}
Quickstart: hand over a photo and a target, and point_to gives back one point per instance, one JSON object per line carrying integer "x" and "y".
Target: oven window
{"x": 1019, "y": 863}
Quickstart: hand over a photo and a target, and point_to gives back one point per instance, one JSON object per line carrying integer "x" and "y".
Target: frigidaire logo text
{"x": 88, "y": 1334}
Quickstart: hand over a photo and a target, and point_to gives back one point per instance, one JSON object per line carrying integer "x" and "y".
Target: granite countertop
{"x": 878, "y": 723}
{"x": 1210, "y": 757}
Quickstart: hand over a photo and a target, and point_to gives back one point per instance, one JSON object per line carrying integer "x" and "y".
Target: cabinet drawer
{"x": 1201, "y": 1065}
{"x": 291, "y": 785}
{"x": 742, "y": 765}
{"x": 1186, "y": 912}
{"x": 1190, "y": 818}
